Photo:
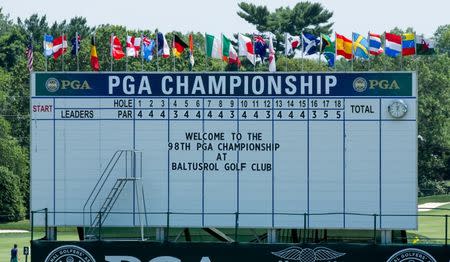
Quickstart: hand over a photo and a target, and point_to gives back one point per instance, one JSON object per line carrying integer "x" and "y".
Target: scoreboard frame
{"x": 321, "y": 86}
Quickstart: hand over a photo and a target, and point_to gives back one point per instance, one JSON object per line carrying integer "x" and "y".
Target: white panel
{"x": 290, "y": 169}
{"x": 255, "y": 187}
{"x": 326, "y": 178}
{"x": 362, "y": 109}
{"x": 185, "y": 192}
{"x": 42, "y": 167}
{"x": 362, "y": 172}
{"x": 154, "y": 168}
{"x": 220, "y": 187}
{"x": 398, "y": 174}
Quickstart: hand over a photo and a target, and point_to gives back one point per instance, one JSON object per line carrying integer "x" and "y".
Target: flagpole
{"x": 286, "y": 49}
{"x": 221, "y": 60}
{"x": 173, "y": 54}
{"x": 254, "y": 52}
{"x": 46, "y": 57}
{"x": 62, "y": 53}
{"x": 206, "y": 55}
{"x": 157, "y": 50}
{"x": 126, "y": 53}
{"x": 142, "y": 52}
{"x": 303, "y": 47}
{"x": 353, "y": 54}
{"x": 368, "y": 40}
{"x": 111, "y": 50}
{"x": 76, "y": 51}
{"x": 320, "y": 49}
{"x": 335, "y": 50}
{"x": 401, "y": 52}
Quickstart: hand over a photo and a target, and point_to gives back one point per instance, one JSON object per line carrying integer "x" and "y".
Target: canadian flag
{"x": 59, "y": 46}
{"x": 246, "y": 48}
{"x": 133, "y": 46}
{"x": 116, "y": 48}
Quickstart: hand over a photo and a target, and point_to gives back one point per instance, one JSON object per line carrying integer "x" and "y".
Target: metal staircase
{"x": 129, "y": 163}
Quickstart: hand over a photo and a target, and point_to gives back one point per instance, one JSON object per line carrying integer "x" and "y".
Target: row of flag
{"x": 257, "y": 48}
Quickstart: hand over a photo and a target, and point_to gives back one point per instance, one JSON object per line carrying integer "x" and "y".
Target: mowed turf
{"x": 432, "y": 226}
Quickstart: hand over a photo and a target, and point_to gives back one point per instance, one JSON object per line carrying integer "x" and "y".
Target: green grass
{"x": 431, "y": 228}
{"x": 436, "y": 198}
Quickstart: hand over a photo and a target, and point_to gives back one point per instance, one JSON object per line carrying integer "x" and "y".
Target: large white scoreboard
{"x": 269, "y": 150}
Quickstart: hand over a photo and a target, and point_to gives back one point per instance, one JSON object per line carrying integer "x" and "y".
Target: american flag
{"x": 29, "y": 53}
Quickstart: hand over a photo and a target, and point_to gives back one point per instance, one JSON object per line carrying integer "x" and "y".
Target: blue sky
{"x": 217, "y": 17}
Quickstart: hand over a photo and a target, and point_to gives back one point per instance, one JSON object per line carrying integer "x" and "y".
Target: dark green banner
{"x": 152, "y": 84}
{"x": 140, "y": 251}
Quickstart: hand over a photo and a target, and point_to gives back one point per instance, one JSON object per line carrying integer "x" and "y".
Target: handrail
{"x": 102, "y": 180}
{"x": 306, "y": 217}
{"x": 103, "y": 173}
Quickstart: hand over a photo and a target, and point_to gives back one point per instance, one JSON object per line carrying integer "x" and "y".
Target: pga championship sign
{"x": 265, "y": 149}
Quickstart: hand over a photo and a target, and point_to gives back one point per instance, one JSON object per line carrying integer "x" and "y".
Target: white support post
{"x": 386, "y": 237}
{"x": 272, "y": 236}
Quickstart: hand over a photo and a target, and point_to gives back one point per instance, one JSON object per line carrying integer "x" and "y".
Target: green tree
{"x": 442, "y": 37}
{"x": 14, "y": 182}
{"x": 311, "y": 17}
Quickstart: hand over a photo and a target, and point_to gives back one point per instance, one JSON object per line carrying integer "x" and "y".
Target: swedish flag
{"x": 360, "y": 46}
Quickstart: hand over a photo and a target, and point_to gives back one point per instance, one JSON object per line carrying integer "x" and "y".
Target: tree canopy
{"x": 307, "y": 16}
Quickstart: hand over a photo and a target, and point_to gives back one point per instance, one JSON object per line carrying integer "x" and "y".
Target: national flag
{"x": 408, "y": 44}
{"x": 233, "y": 58}
{"x": 360, "y": 46}
{"x": 226, "y": 44}
{"x": 375, "y": 44}
{"x": 246, "y": 48}
{"x": 310, "y": 43}
{"x": 327, "y": 47}
{"x": 213, "y": 47}
{"x": 424, "y": 46}
{"x": 133, "y": 46}
{"x": 76, "y": 45}
{"x": 260, "y": 46}
{"x": 330, "y": 58}
{"x": 191, "y": 50}
{"x": 178, "y": 46}
{"x": 48, "y": 45}
{"x": 393, "y": 45}
{"x": 272, "y": 63}
{"x": 29, "y": 54}
{"x": 291, "y": 43}
{"x": 94, "y": 57}
{"x": 344, "y": 46}
{"x": 326, "y": 44}
{"x": 59, "y": 46}
{"x": 163, "y": 47}
{"x": 148, "y": 45}
{"x": 116, "y": 47}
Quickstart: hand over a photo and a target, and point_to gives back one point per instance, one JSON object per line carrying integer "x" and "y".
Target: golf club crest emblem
{"x": 69, "y": 253}
{"x": 359, "y": 84}
{"x": 307, "y": 254}
{"x": 411, "y": 254}
{"x": 52, "y": 84}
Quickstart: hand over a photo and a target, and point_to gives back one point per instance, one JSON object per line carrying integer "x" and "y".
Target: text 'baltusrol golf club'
{"x": 249, "y": 158}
